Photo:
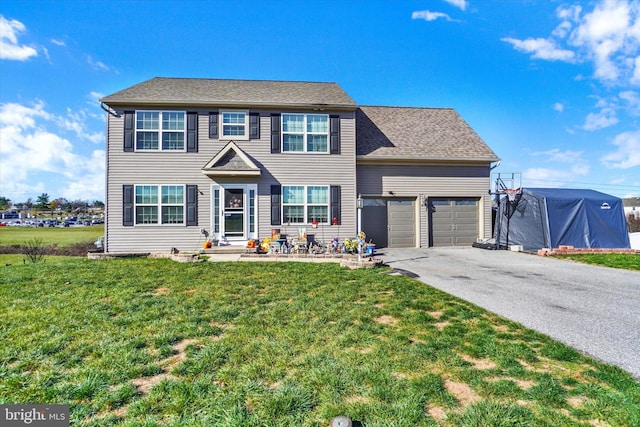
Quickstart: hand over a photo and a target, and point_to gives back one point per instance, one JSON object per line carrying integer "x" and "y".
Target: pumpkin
{"x": 207, "y": 244}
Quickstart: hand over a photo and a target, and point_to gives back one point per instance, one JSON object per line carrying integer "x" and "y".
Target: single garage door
{"x": 453, "y": 221}
{"x": 390, "y": 222}
{"x": 402, "y": 223}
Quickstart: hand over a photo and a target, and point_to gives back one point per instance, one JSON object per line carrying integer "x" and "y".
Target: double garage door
{"x": 392, "y": 222}
{"x": 453, "y": 222}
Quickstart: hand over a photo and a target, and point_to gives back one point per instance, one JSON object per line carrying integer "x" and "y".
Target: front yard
{"x": 140, "y": 342}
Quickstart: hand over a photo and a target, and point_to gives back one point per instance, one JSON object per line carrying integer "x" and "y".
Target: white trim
{"x": 221, "y": 124}
{"x": 251, "y": 170}
{"x": 159, "y": 205}
{"x": 246, "y": 232}
{"x": 159, "y": 131}
{"x": 306, "y": 205}
{"x": 305, "y": 133}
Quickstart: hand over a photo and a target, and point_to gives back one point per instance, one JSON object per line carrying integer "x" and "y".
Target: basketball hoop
{"x": 511, "y": 193}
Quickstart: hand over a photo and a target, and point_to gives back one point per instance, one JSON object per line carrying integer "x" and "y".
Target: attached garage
{"x": 423, "y": 175}
{"x": 453, "y": 222}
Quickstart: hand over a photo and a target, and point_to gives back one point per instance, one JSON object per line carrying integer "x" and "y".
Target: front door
{"x": 234, "y": 212}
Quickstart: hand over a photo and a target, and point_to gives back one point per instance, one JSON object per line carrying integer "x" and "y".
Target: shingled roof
{"x": 400, "y": 133}
{"x": 192, "y": 92}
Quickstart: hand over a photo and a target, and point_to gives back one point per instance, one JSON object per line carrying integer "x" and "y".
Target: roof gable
{"x": 231, "y": 161}
{"x": 417, "y": 133}
{"x": 193, "y": 92}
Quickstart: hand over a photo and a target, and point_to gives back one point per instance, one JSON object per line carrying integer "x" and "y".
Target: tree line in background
{"x": 44, "y": 204}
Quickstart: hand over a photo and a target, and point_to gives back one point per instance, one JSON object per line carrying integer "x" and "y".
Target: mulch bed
{"x": 78, "y": 249}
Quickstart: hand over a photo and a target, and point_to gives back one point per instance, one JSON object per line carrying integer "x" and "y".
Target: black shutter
{"x": 335, "y": 204}
{"x": 213, "y": 125}
{"x": 334, "y": 134}
{"x": 254, "y": 125}
{"x": 127, "y": 205}
{"x": 275, "y": 133}
{"x": 129, "y": 130}
{"x": 192, "y": 205}
{"x": 276, "y": 197}
{"x": 192, "y": 132}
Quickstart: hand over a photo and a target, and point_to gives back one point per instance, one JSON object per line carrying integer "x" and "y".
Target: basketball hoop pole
{"x": 508, "y": 184}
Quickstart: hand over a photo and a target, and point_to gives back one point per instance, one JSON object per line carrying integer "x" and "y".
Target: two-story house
{"x": 239, "y": 158}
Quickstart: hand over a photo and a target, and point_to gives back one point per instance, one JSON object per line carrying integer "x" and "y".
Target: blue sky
{"x": 553, "y": 87}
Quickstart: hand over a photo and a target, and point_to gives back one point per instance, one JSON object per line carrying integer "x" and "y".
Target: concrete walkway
{"x": 595, "y": 310}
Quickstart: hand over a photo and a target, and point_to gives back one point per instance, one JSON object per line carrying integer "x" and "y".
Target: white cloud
{"x": 430, "y": 16}
{"x": 77, "y": 122}
{"x": 632, "y": 100}
{"x": 58, "y": 42}
{"x": 97, "y": 65}
{"x": 557, "y": 155}
{"x": 570, "y": 13}
{"x": 536, "y": 177}
{"x": 559, "y": 107}
{"x": 627, "y": 155}
{"x": 460, "y": 4}
{"x": 9, "y": 46}
{"x": 34, "y": 150}
{"x": 541, "y": 49}
{"x": 603, "y": 119}
{"x": 571, "y": 164}
{"x": 608, "y": 37}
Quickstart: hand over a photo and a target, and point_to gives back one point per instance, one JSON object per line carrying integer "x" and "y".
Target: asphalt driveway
{"x": 595, "y": 310}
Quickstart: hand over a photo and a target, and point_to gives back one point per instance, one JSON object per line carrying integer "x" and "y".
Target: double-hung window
{"x": 234, "y": 125}
{"x": 159, "y": 204}
{"x": 305, "y": 204}
{"x": 305, "y": 133}
{"x": 160, "y": 130}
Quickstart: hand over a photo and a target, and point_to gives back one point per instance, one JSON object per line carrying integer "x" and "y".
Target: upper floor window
{"x": 160, "y": 130}
{"x": 234, "y": 125}
{"x": 305, "y": 133}
{"x": 159, "y": 204}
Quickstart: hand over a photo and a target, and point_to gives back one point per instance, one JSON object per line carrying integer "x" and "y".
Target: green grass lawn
{"x": 625, "y": 261}
{"x": 60, "y": 236}
{"x": 141, "y": 342}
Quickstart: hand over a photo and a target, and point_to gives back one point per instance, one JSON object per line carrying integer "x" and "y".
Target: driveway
{"x": 595, "y": 310}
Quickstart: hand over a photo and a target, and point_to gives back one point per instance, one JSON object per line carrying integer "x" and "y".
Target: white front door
{"x": 234, "y": 212}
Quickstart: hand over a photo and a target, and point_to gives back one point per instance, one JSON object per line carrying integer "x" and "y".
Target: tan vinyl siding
{"x": 422, "y": 182}
{"x": 185, "y": 168}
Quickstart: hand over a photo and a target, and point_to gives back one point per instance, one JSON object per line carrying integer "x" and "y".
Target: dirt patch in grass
{"x": 435, "y": 314}
{"x": 356, "y": 398}
{"x": 478, "y": 363}
{"x": 144, "y": 385}
{"x": 161, "y": 291}
{"x": 599, "y": 423}
{"x": 436, "y": 412}
{"x": 523, "y": 384}
{"x": 462, "y": 392}
{"x": 441, "y": 325}
{"x": 577, "y": 401}
{"x": 387, "y": 320}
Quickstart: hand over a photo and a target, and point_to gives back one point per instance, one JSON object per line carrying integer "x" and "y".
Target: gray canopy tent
{"x": 549, "y": 217}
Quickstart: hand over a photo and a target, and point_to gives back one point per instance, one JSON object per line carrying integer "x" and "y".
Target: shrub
{"x": 34, "y": 249}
